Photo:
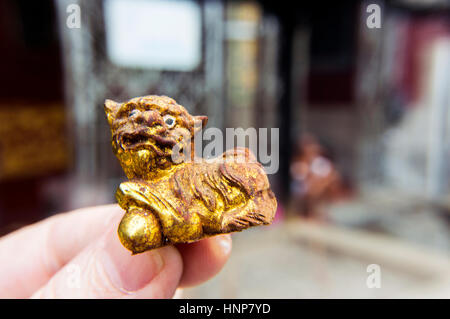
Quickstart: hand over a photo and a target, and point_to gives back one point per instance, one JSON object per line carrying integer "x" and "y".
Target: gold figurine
{"x": 168, "y": 200}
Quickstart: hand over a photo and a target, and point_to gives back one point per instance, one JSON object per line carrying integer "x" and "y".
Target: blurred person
{"x": 315, "y": 178}
{"x": 78, "y": 255}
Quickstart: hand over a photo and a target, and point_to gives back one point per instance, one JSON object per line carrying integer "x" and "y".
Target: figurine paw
{"x": 184, "y": 231}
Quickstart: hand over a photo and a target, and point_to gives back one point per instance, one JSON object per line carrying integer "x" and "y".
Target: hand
{"x": 78, "y": 255}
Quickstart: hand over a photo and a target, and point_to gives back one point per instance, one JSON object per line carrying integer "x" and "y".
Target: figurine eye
{"x": 133, "y": 113}
{"x": 169, "y": 120}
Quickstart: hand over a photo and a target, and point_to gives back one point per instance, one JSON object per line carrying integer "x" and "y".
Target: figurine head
{"x": 147, "y": 130}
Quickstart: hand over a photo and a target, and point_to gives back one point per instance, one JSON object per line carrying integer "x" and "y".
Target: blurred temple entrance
{"x": 362, "y": 112}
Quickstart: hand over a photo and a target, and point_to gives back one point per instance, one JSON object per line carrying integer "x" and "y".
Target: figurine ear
{"x": 199, "y": 119}
{"x": 110, "y": 109}
{"x": 202, "y": 118}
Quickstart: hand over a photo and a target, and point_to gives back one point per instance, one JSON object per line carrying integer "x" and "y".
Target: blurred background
{"x": 362, "y": 112}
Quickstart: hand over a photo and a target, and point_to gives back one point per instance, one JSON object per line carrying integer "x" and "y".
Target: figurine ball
{"x": 139, "y": 230}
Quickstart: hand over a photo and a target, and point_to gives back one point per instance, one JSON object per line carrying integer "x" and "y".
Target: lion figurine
{"x": 168, "y": 201}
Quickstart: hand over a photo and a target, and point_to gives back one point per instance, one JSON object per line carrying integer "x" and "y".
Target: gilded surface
{"x": 168, "y": 201}
{"x": 33, "y": 140}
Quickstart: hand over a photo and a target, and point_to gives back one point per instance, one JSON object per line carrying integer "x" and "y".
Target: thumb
{"x": 105, "y": 269}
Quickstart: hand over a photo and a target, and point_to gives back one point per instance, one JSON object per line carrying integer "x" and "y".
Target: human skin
{"x": 78, "y": 255}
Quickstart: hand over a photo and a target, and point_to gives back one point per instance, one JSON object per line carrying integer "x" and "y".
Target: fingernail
{"x": 129, "y": 272}
{"x": 224, "y": 242}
